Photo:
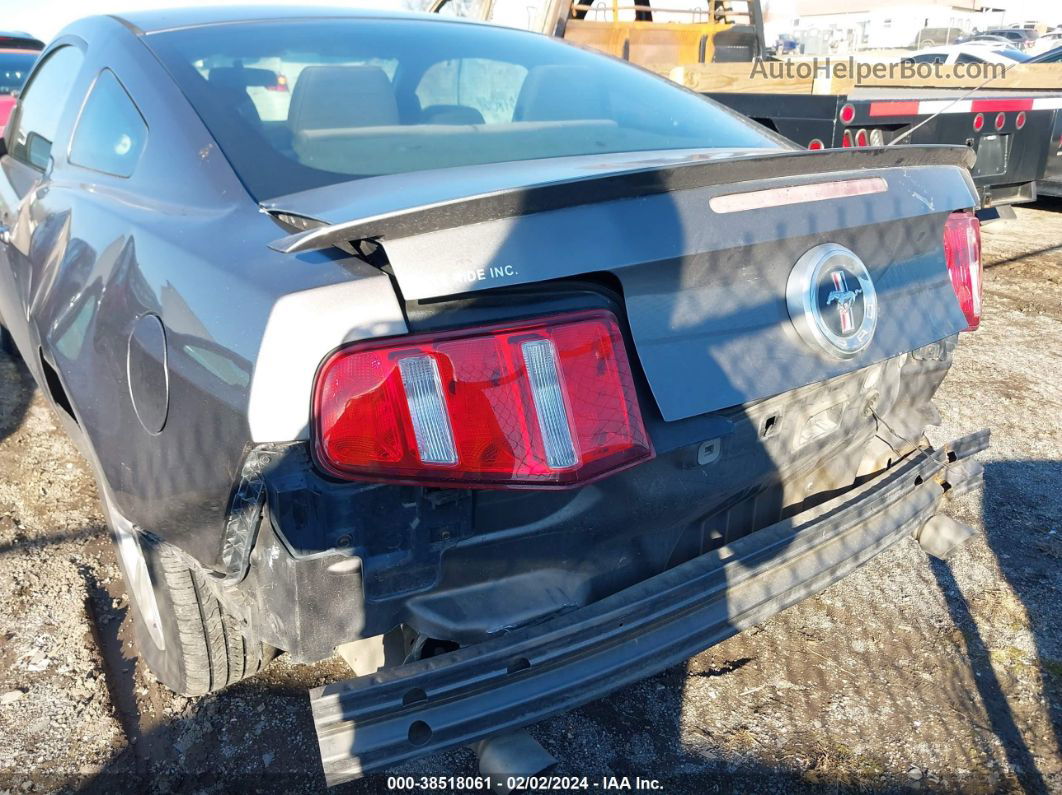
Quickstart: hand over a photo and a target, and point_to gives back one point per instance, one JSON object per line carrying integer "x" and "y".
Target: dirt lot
{"x": 909, "y": 674}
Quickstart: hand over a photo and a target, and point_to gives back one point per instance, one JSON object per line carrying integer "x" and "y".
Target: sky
{"x": 44, "y": 18}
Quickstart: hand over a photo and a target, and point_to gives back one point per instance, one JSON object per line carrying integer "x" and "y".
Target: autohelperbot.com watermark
{"x": 861, "y": 71}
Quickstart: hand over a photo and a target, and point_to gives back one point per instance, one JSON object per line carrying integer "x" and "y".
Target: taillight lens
{"x": 962, "y": 251}
{"x": 538, "y": 404}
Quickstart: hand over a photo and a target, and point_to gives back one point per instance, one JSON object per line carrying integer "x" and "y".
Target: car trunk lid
{"x": 703, "y": 247}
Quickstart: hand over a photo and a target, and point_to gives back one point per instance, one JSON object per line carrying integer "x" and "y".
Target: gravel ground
{"x": 910, "y": 674}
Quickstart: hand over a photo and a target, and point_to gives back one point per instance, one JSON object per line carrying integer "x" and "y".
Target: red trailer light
{"x": 979, "y": 122}
{"x": 1001, "y": 119}
{"x": 536, "y": 404}
{"x": 861, "y": 138}
{"x": 846, "y": 139}
{"x": 1020, "y": 119}
{"x": 816, "y": 144}
{"x": 962, "y": 252}
{"x": 847, "y": 115}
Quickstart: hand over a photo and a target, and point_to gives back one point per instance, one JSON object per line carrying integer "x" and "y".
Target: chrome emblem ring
{"x": 832, "y": 301}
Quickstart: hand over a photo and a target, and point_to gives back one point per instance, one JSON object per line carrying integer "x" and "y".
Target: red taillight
{"x": 847, "y": 114}
{"x": 280, "y": 85}
{"x": 816, "y": 144}
{"x": 846, "y": 139}
{"x": 962, "y": 251}
{"x": 979, "y": 122}
{"x": 861, "y": 138}
{"x": 543, "y": 403}
{"x": 1001, "y": 119}
{"x": 1019, "y": 120}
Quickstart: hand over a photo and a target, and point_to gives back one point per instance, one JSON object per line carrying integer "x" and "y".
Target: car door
{"x": 28, "y": 231}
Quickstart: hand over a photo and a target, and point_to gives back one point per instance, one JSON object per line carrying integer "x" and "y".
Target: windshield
{"x": 14, "y": 69}
{"x": 298, "y": 104}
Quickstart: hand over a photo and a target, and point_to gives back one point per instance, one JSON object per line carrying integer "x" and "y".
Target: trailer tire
{"x": 185, "y": 635}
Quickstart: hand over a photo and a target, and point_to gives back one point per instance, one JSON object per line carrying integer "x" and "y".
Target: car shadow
{"x": 1021, "y": 508}
{"x": 16, "y": 392}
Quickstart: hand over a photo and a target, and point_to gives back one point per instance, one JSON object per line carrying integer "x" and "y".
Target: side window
{"x": 111, "y": 133}
{"x": 488, "y": 88}
{"x": 964, "y": 58}
{"x": 31, "y": 134}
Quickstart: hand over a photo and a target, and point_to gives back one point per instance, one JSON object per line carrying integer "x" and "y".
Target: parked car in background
{"x": 968, "y": 54}
{"x": 1051, "y": 56}
{"x": 1023, "y": 38}
{"x": 935, "y": 37}
{"x": 983, "y": 40}
{"x": 1047, "y": 42}
{"x": 18, "y": 53}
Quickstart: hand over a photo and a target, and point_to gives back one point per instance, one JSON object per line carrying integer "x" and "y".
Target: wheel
{"x": 185, "y": 635}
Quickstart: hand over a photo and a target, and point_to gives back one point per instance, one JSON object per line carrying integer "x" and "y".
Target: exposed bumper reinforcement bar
{"x": 373, "y": 722}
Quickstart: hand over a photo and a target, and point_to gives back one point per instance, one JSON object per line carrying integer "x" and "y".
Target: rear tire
{"x": 187, "y": 638}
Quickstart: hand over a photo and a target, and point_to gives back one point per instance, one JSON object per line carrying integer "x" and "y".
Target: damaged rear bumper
{"x": 373, "y": 722}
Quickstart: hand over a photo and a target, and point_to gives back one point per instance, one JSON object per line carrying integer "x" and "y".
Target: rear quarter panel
{"x": 182, "y": 240}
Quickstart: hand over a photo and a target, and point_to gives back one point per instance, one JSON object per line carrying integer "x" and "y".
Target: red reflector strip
{"x": 878, "y": 109}
{"x": 997, "y": 105}
{"x": 897, "y": 108}
{"x": 797, "y": 194}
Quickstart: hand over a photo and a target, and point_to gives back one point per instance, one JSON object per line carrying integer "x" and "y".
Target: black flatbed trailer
{"x": 1051, "y": 182}
{"x": 1016, "y": 134}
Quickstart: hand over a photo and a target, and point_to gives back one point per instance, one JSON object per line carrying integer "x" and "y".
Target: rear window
{"x": 299, "y": 104}
{"x": 14, "y": 69}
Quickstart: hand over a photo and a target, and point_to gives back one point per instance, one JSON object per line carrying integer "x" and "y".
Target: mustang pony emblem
{"x": 831, "y": 274}
{"x": 844, "y": 298}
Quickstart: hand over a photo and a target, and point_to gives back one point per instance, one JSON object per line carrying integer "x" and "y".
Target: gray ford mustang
{"x": 509, "y": 371}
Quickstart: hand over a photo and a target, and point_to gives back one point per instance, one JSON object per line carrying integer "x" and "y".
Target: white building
{"x": 845, "y": 25}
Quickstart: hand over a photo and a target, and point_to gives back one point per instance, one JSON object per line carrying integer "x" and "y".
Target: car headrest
{"x": 338, "y": 97}
{"x": 562, "y": 93}
{"x": 451, "y": 114}
{"x": 241, "y": 77}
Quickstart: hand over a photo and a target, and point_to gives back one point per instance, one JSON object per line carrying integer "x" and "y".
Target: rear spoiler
{"x": 563, "y": 194}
